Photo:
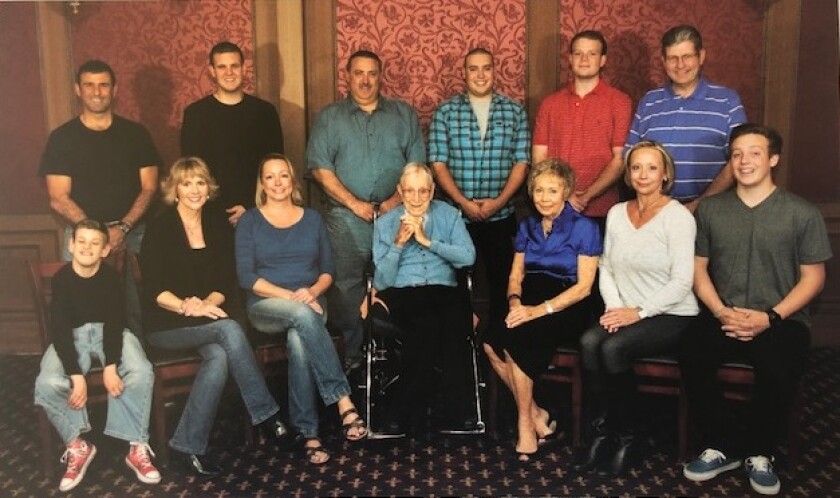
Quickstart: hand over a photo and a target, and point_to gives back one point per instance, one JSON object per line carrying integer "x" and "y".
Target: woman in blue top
{"x": 284, "y": 261}
{"x": 551, "y": 278}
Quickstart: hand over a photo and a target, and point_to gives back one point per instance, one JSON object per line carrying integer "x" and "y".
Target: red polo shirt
{"x": 583, "y": 132}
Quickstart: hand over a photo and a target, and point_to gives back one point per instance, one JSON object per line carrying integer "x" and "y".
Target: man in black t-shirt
{"x": 231, "y": 131}
{"x": 104, "y": 167}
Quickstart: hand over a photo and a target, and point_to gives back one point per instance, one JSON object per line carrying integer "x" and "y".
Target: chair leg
{"x": 577, "y": 403}
{"x": 159, "y": 421}
{"x": 46, "y": 430}
{"x": 794, "y": 439}
{"x": 492, "y": 402}
{"x": 682, "y": 425}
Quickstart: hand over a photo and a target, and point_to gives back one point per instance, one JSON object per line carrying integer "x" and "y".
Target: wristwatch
{"x": 774, "y": 316}
{"x": 123, "y": 226}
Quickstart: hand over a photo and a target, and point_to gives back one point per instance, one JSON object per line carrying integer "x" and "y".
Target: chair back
{"x": 41, "y": 275}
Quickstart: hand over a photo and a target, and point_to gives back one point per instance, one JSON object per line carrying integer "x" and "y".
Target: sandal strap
{"x": 346, "y": 412}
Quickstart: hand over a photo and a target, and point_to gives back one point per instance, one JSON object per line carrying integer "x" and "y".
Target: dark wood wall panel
{"x": 22, "y": 238}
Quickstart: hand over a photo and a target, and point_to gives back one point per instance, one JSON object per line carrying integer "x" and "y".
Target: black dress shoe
{"x": 601, "y": 448}
{"x": 621, "y": 458}
{"x": 199, "y": 465}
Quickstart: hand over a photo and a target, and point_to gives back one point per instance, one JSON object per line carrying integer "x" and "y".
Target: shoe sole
{"x": 709, "y": 474}
{"x": 140, "y": 476}
{"x": 82, "y": 471}
{"x": 765, "y": 490}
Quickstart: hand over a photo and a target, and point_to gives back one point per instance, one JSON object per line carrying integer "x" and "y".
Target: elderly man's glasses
{"x": 423, "y": 193}
{"x": 672, "y": 60}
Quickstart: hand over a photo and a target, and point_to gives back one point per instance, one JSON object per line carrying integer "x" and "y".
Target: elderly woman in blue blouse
{"x": 189, "y": 283}
{"x": 554, "y": 267}
{"x": 645, "y": 279}
{"x": 416, "y": 249}
{"x": 284, "y": 261}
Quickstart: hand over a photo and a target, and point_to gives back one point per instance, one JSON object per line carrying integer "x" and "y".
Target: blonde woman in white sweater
{"x": 645, "y": 280}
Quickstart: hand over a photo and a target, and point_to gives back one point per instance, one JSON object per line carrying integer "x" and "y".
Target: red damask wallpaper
{"x": 22, "y": 134}
{"x": 422, "y": 44}
{"x": 732, "y": 35}
{"x": 159, "y": 51}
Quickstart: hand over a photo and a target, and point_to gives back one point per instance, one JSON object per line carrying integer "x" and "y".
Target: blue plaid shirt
{"x": 479, "y": 167}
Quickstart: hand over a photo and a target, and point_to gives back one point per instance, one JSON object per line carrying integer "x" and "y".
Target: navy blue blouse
{"x": 572, "y": 234}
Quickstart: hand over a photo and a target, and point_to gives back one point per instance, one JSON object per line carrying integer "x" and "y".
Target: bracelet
{"x": 514, "y": 296}
{"x": 549, "y": 308}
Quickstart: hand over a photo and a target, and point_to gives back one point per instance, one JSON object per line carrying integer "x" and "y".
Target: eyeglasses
{"x": 672, "y": 60}
{"x": 423, "y": 193}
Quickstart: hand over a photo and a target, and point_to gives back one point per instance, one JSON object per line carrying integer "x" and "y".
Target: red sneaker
{"x": 78, "y": 457}
{"x": 140, "y": 462}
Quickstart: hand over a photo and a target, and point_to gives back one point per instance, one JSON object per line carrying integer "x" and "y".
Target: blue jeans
{"x": 313, "y": 362}
{"x": 352, "y": 241}
{"x": 223, "y": 346}
{"x": 128, "y": 414}
{"x": 133, "y": 240}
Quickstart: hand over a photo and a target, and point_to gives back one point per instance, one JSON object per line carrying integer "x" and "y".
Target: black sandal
{"x": 357, "y": 423}
{"x": 310, "y": 452}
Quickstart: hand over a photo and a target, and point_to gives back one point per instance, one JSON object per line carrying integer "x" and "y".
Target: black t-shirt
{"x": 77, "y": 301}
{"x": 232, "y": 139}
{"x": 103, "y": 165}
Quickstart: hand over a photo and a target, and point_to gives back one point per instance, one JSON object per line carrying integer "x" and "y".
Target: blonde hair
{"x": 260, "y": 197}
{"x": 182, "y": 169}
{"x": 667, "y": 161}
{"x": 553, "y": 167}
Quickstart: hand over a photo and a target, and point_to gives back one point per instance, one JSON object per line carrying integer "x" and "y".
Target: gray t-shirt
{"x": 755, "y": 253}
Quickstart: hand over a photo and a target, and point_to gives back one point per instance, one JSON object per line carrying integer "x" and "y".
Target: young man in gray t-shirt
{"x": 759, "y": 260}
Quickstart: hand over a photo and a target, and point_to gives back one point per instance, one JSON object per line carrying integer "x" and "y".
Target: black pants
{"x": 493, "y": 242}
{"x": 778, "y": 357}
{"x": 435, "y": 321}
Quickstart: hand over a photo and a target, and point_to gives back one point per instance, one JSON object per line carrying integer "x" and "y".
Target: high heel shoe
{"x": 621, "y": 458}
{"x": 601, "y": 447}
{"x": 199, "y": 465}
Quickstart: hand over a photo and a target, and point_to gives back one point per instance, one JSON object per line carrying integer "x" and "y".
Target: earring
{"x": 176, "y": 199}
{"x": 665, "y": 180}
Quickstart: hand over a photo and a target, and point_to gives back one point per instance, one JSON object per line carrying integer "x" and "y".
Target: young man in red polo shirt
{"x": 586, "y": 124}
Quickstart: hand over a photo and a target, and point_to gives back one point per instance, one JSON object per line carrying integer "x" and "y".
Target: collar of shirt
{"x": 699, "y": 92}
{"x": 595, "y": 91}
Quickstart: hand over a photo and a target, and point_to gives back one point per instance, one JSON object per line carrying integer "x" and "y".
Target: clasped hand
{"x": 411, "y": 226}
{"x": 615, "y": 318}
{"x": 194, "y": 306}
{"x": 304, "y": 295}
{"x": 743, "y": 324}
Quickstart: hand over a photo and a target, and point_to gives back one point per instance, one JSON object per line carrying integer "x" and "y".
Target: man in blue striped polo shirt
{"x": 691, "y": 117}
{"x": 479, "y": 147}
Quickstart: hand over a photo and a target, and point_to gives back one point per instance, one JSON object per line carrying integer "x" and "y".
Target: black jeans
{"x": 778, "y": 357}
{"x": 493, "y": 242}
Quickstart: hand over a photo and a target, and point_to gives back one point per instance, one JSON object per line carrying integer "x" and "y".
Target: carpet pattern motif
{"x": 430, "y": 466}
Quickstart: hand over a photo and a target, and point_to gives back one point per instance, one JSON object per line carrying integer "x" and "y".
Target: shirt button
{"x": 577, "y": 104}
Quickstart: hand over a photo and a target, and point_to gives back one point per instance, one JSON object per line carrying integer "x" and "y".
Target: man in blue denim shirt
{"x": 357, "y": 150}
{"x": 479, "y": 146}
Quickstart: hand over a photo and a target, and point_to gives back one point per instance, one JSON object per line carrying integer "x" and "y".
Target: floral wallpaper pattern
{"x": 422, "y": 44}
{"x": 732, "y": 35}
{"x": 159, "y": 52}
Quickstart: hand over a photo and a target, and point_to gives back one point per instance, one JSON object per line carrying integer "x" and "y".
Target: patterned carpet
{"x": 433, "y": 466}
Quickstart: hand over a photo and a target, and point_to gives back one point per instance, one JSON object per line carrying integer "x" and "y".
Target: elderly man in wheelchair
{"x": 416, "y": 250}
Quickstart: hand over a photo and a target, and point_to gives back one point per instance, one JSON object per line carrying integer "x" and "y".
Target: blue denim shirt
{"x": 413, "y": 265}
{"x": 366, "y": 151}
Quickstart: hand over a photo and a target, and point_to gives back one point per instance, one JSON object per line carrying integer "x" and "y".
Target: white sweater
{"x": 651, "y": 267}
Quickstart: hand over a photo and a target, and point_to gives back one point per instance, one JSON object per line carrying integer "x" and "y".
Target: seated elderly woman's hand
{"x": 521, "y": 314}
{"x": 404, "y": 234}
{"x": 615, "y": 318}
